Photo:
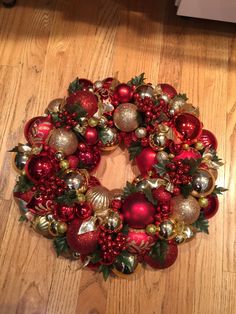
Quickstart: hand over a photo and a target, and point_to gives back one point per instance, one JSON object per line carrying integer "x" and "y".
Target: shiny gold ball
{"x": 64, "y": 164}
{"x": 52, "y": 228}
{"x": 112, "y": 221}
{"x": 203, "y": 183}
{"x": 55, "y": 105}
{"x": 151, "y": 229}
{"x": 59, "y": 156}
{"x": 162, "y": 156}
{"x": 40, "y": 224}
{"x": 109, "y": 139}
{"x": 126, "y": 117}
{"x": 141, "y": 132}
{"x": 81, "y": 198}
{"x": 199, "y": 146}
{"x": 167, "y": 230}
{"x": 203, "y": 202}
{"x": 171, "y": 156}
{"x": 102, "y": 121}
{"x": 126, "y": 267}
{"x": 76, "y": 180}
{"x": 61, "y": 227}
{"x": 93, "y": 122}
{"x": 63, "y": 141}
{"x": 185, "y": 209}
{"x": 158, "y": 140}
{"x": 185, "y": 146}
{"x": 99, "y": 197}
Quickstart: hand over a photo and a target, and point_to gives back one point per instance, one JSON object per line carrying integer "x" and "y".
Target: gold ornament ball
{"x": 203, "y": 202}
{"x": 185, "y": 146}
{"x": 63, "y": 141}
{"x": 185, "y": 209}
{"x": 126, "y": 117}
{"x": 55, "y": 105}
{"x": 141, "y": 132}
{"x": 162, "y": 156}
{"x": 52, "y": 228}
{"x": 167, "y": 230}
{"x": 93, "y": 122}
{"x": 76, "y": 180}
{"x": 151, "y": 229}
{"x": 199, "y": 146}
{"x": 113, "y": 221}
{"x": 59, "y": 156}
{"x": 99, "y": 197}
{"x": 61, "y": 227}
{"x": 203, "y": 183}
{"x": 41, "y": 224}
{"x": 109, "y": 139}
{"x": 64, "y": 164}
{"x": 157, "y": 140}
{"x": 120, "y": 267}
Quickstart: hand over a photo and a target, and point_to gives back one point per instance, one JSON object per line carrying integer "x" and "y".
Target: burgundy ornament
{"x": 161, "y": 195}
{"x": 123, "y": 93}
{"x": 38, "y": 166}
{"x": 91, "y": 135}
{"x": 188, "y": 126}
{"x": 25, "y": 196}
{"x": 139, "y": 242}
{"x": 84, "y": 243}
{"x": 73, "y": 161}
{"x": 86, "y": 99}
{"x": 145, "y": 160}
{"x": 190, "y": 153}
{"x": 37, "y": 130}
{"x": 89, "y": 157}
{"x": 107, "y": 83}
{"x": 208, "y": 139}
{"x": 65, "y": 212}
{"x": 212, "y": 208}
{"x": 169, "y": 90}
{"x": 86, "y": 85}
{"x": 84, "y": 211}
{"x": 137, "y": 211}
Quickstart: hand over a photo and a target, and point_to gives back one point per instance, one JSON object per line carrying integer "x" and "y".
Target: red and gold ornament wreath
{"x": 166, "y": 205}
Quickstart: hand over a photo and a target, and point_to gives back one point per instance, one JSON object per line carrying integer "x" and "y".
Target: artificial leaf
{"x": 23, "y": 218}
{"x": 60, "y": 245}
{"x": 78, "y": 109}
{"x": 23, "y": 184}
{"x": 137, "y": 80}
{"x": 219, "y": 190}
{"x": 201, "y": 224}
{"x": 193, "y": 163}
{"x": 186, "y": 189}
{"x": 122, "y": 258}
{"x": 159, "y": 251}
{"x": 105, "y": 270}
{"x": 134, "y": 149}
{"x": 74, "y": 86}
{"x": 95, "y": 257}
{"x": 129, "y": 189}
{"x": 125, "y": 229}
{"x": 161, "y": 167}
{"x": 68, "y": 198}
{"x": 184, "y": 96}
{"x": 149, "y": 196}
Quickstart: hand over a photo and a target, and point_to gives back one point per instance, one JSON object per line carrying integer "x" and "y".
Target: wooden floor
{"x": 44, "y": 44}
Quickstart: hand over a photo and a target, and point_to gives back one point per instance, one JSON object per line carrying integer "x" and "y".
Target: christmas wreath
{"x": 165, "y": 206}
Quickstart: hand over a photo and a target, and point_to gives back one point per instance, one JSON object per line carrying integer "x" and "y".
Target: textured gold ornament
{"x": 93, "y": 122}
{"x": 151, "y": 229}
{"x": 203, "y": 183}
{"x": 63, "y": 141}
{"x": 53, "y": 228}
{"x": 185, "y": 209}
{"x": 141, "y": 132}
{"x": 99, "y": 197}
{"x": 158, "y": 141}
{"x": 203, "y": 202}
{"x": 55, "y": 105}
{"x": 126, "y": 117}
{"x": 167, "y": 230}
{"x": 112, "y": 221}
{"x": 40, "y": 224}
{"x": 109, "y": 139}
{"x": 76, "y": 180}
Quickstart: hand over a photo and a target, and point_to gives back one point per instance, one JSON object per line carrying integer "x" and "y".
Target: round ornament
{"x": 109, "y": 139}
{"x": 203, "y": 183}
{"x": 55, "y": 105}
{"x": 123, "y": 93}
{"x": 76, "y": 180}
{"x": 212, "y": 207}
{"x": 146, "y": 160}
{"x": 185, "y": 209}
{"x": 126, "y": 117}
{"x": 139, "y": 241}
{"x": 38, "y": 166}
{"x": 128, "y": 266}
{"x": 86, "y": 99}
{"x": 63, "y": 140}
{"x": 98, "y": 197}
{"x": 145, "y": 91}
{"x": 188, "y": 126}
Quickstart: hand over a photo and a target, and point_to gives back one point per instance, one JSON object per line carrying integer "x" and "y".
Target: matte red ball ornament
{"x": 137, "y": 211}
{"x": 170, "y": 255}
{"x": 91, "y": 135}
{"x": 37, "y": 130}
{"x": 169, "y": 90}
{"x": 84, "y": 243}
{"x": 86, "y": 99}
{"x": 188, "y": 126}
{"x": 208, "y": 139}
{"x": 212, "y": 208}
{"x": 139, "y": 242}
{"x": 146, "y": 160}
{"x": 123, "y": 93}
{"x": 38, "y": 167}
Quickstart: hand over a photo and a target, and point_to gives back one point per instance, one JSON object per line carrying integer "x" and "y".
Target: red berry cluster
{"x": 163, "y": 198}
{"x": 111, "y": 245}
{"x": 178, "y": 172}
{"x": 89, "y": 156}
{"x": 67, "y": 119}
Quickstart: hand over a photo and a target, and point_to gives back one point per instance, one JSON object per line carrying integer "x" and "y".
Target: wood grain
{"x": 44, "y": 44}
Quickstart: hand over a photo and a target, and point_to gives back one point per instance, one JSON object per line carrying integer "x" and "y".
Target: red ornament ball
{"x": 91, "y": 135}
{"x": 208, "y": 139}
{"x": 84, "y": 243}
{"x": 212, "y": 208}
{"x": 73, "y": 161}
{"x": 37, "y": 130}
{"x": 146, "y": 160}
{"x": 137, "y": 211}
{"x": 85, "y": 84}
{"x": 188, "y": 126}
{"x": 169, "y": 257}
{"x": 84, "y": 211}
{"x": 169, "y": 90}
{"x": 107, "y": 82}
{"x": 38, "y": 166}
{"x": 190, "y": 153}
{"x": 123, "y": 93}
{"x": 139, "y": 242}
{"x": 66, "y": 213}
{"x": 86, "y": 99}
{"x": 89, "y": 157}
{"x": 161, "y": 195}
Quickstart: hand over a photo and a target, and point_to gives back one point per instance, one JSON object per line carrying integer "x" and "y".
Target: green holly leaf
{"x": 105, "y": 270}
{"x": 55, "y": 117}
{"x": 134, "y": 149}
{"x": 159, "y": 251}
{"x": 137, "y": 80}
{"x": 125, "y": 230}
{"x": 60, "y": 245}
{"x": 129, "y": 189}
{"x": 149, "y": 196}
{"x": 23, "y": 184}
{"x": 14, "y": 150}
{"x": 219, "y": 190}
{"x": 161, "y": 167}
{"x": 96, "y": 257}
{"x": 68, "y": 198}
{"x": 193, "y": 163}
{"x": 201, "y": 224}
{"x": 184, "y": 96}
{"x": 23, "y": 218}
{"x": 122, "y": 258}
{"x": 74, "y": 86}
{"x": 77, "y": 108}
{"x": 186, "y": 189}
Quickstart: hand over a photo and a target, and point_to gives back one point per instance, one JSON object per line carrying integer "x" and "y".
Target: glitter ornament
{"x": 64, "y": 141}
{"x": 126, "y": 117}
{"x": 87, "y": 100}
{"x": 185, "y": 209}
